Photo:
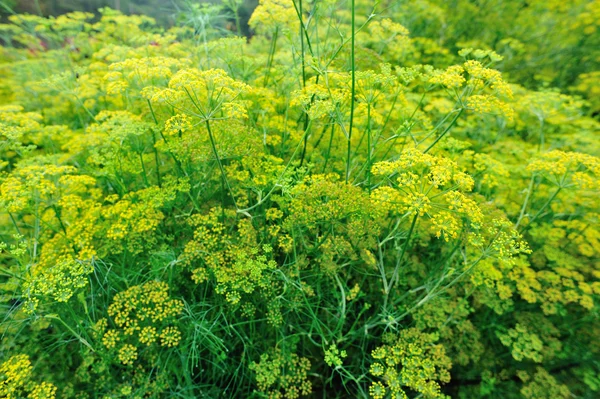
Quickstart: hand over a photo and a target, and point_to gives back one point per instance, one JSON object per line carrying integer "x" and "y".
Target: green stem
{"x": 156, "y": 160}
{"x": 395, "y": 138}
{"x": 329, "y": 147}
{"x": 79, "y": 337}
{"x": 223, "y": 175}
{"x": 14, "y": 222}
{"x": 271, "y": 56}
{"x": 545, "y": 205}
{"x": 276, "y": 185}
{"x": 303, "y": 27}
{"x": 526, "y": 202}
{"x": 541, "y": 146}
{"x": 353, "y": 90}
{"x": 145, "y": 175}
{"x": 369, "y": 147}
{"x": 11, "y": 274}
{"x": 400, "y": 258}
{"x": 445, "y": 131}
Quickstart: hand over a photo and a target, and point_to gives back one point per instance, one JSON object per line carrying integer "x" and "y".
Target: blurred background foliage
{"x": 166, "y": 12}
{"x": 550, "y": 43}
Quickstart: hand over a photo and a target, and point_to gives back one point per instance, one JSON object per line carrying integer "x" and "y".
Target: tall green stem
{"x": 216, "y": 154}
{"x": 271, "y": 56}
{"x": 445, "y": 131}
{"x": 369, "y": 147}
{"x": 545, "y": 205}
{"x": 526, "y": 202}
{"x": 353, "y": 90}
{"x": 394, "y": 277}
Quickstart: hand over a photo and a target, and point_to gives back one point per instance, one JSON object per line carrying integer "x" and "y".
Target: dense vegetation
{"x": 386, "y": 200}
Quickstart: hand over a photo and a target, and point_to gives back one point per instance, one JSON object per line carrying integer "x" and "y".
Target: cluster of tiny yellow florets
{"x": 59, "y": 281}
{"x": 323, "y": 200}
{"x": 543, "y": 384}
{"x": 139, "y": 72}
{"x": 282, "y": 375}
{"x": 177, "y": 125}
{"x": 484, "y": 89}
{"x": 334, "y": 356}
{"x": 412, "y": 361}
{"x": 237, "y": 270}
{"x": 431, "y": 186}
{"x": 273, "y": 14}
{"x": 566, "y": 169}
{"x": 141, "y": 315}
{"x": 522, "y": 343}
{"x": 207, "y": 94}
{"x": 16, "y": 380}
{"x": 307, "y": 182}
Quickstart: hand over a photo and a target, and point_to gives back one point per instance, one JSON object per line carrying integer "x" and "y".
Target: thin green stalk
{"x": 14, "y": 222}
{"x": 263, "y": 199}
{"x": 303, "y": 27}
{"x": 156, "y": 159}
{"x": 369, "y": 147}
{"x": 409, "y": 120}
{"x": 10, "y": 274}
{"x": 342, "y": 316}
{"x": 302, "y": 52}
{"x": 271, "y": 56}
{"x": 558, "y": 190}
{"x": 541, "y": 146}
{"x": 394, "y": 277}
{"x": 304, "y": 141}
{"x": 38, "y": 9}
{"x": 300, "y": 12}
{"x": 320, "y": 138}
{"x": 353, "y": 91}
{"x": 223, "y": 175}
{"x": 178, "y": 168}
{"x": 328, "y": 154}
{"x": 526, "y": 202}
{"x": 445, "y": 131}
{"x": 145, "y": 175}
{"x": 236, "y": 15}
{"x": 78, "y": 336}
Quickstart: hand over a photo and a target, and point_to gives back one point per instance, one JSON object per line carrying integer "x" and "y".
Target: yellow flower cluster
{"x": 322, "y": 203}
{"x": 237, "y": 263}
{"x": 137, "y": 214}
{"x": 566, "y": 169}
{"x": 451, "y": 78}
{"x": 16, "y": 381}
{"x": 428, "y": 185}
{"x": 273, "y": 14}
{"x": 59, "y": 281}
{"x": 413, "y": 361}
{"x": 201, "y": 93}
{"x": 141, "y": 72}
{"x": 449, "y": 317}
{"x": 141, "y": 315}
{"x": 28, "y": 186}
{"x": 320, "y": 101}
{"x": 301, "y": 186}
{"x": 334, "y": 357}
{"x": 487, "y": 104}
{"x": 282, "y": 376}
{"x": 385, "y": 35}
{"x": 177, "y": 125}
{"x": 522, "y": 343}
{"x": 128, "y": 354}
{"x": 543, "y": 384}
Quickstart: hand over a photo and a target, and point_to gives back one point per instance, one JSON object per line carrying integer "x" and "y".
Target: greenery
{"x": 355, "y": 199}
